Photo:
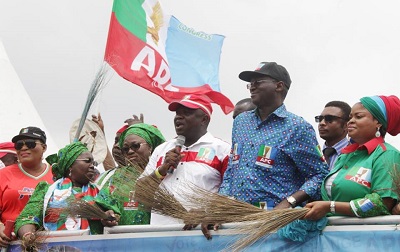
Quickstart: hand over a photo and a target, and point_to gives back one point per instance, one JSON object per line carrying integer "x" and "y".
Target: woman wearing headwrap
{"x": 73, "y": 169}
{"x": 137, "y": 142}
{"x": 360, "y": 184}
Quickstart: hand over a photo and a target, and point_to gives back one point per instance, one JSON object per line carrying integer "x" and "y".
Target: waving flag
{"x": 162, "y": 55}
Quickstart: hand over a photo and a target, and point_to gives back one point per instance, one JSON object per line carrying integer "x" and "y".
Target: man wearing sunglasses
{"x": 332, "y": 127}
{"x": 275, "y": 160}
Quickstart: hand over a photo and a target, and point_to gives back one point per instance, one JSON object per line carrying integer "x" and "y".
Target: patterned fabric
{"x": 149, "y": 133}
{"x": 115, "y": 191}
{"x": 369, "y": 206}
{"x": 203, "y": 164}
{"x": 59, "y": 193}
{"x": 302, "y": 230}
{"x": 65, "y": 158}
{"x": 16, "y": 187}
{"x": 364, "y": 170}
{"x": 338, "y": 147}
{"x": 272, "y": 159}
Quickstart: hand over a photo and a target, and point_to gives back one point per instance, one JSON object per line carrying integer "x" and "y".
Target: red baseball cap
{"x": 7, "y": 147}
{"x": 193, "y": 102}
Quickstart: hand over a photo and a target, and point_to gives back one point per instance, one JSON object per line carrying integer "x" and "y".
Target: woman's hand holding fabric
{"x": 318, "y": 210}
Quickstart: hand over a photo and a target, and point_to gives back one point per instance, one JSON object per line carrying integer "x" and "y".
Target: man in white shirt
{"x": 202, "y": 160}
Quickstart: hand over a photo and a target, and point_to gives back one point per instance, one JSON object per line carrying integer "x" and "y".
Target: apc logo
{"x": 26, "y": 191}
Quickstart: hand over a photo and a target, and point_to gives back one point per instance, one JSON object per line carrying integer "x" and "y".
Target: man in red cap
{"x": 8, "y": 154}
{"x": 195, "y": 156}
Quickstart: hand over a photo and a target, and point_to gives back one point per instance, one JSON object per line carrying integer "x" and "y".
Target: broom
{"x": 34, "y": 242}
{"x": 97, "y": 85}
{"x": 214, "y": 208}
{"x": 157, "y": 198}
{"x": 83, "y": 209}
{"x": 261, "y": 225}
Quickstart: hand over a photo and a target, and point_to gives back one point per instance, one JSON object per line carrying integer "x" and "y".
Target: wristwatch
{"x": 292, "y": 201}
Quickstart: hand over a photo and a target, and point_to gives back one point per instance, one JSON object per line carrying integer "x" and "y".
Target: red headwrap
{"x": 392, "y": 104}
{"x": 122, "y": 129}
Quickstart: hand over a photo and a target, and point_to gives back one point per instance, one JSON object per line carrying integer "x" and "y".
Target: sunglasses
{"x": 257, "y": 83}
{"x": 88, "y": 161}
{"x": 327, "y": 118}
{"x": 132, "y": 146}
{"x": 30, "y": 143}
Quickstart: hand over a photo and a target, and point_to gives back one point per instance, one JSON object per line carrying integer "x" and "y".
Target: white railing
{"x": 390, "y": 222}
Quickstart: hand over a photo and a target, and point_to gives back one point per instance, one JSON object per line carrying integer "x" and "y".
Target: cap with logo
{"x": 30, "y": 132}
{"x": 193, "y": 102}
{"x": 270, "y": 69}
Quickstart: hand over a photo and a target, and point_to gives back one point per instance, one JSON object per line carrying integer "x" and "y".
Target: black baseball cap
{"x": 271, "y": 69}
{"x": 30, "y": 132}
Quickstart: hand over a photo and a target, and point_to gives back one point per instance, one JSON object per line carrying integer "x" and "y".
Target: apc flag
{"x": 159, "y": 53}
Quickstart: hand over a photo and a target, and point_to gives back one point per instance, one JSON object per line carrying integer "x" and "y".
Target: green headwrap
{"x": 376, "y": 107}
{"x": 65, "y": 158}
{"x": 149, "y": 133}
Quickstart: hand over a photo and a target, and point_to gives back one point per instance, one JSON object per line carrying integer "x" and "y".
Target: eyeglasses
{"x": 327, "y": 118}
{"x": 132, "y": 146}
{"x": 30, "y": 143}
{"x": 257, "y": 83}
{"x": 88, "y": 161}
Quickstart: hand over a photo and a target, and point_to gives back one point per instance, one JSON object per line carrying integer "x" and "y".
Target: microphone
{"x": 180, "y": 141}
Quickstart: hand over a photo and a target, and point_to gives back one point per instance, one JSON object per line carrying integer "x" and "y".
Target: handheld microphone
{"x": 180, "y": 141}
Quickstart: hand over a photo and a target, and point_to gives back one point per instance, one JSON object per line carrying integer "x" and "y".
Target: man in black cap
{"x": 276, "y": 161}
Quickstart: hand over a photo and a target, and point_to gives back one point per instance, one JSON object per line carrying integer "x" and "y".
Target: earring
{"x": 377, "y": 133}
{"x": 69, "y": 175}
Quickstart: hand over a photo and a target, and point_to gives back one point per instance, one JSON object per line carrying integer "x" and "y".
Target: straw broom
{"x": 261, "y": 225}
{"x": 83, "y": 209}
{"x": 157, "y": 198}
{"x": 213, "y": 207}
{"x": 209, "y": 207}
{"x": 35, "y": 243}
{"x": 97, "y": 85}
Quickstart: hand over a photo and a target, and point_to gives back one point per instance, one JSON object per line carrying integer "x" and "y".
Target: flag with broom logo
{"x": 159, "y": 53}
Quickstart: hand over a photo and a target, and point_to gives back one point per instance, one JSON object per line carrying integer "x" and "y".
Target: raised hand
{"x": 134, "y": 120}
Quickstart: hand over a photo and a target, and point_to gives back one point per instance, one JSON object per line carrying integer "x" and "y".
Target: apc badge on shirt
{"x": 266, "y": 156}
{"x": 235, "y": 153}
{"x": 205, "y": 155}
{"x": 131, "y": 204}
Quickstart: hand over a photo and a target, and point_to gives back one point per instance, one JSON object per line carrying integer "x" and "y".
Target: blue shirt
{"x": 272, "y": 159}
{"x": 338, "y": 147}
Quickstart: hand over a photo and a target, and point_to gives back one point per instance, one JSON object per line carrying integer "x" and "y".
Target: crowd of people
{"x": 274, "y": 161}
